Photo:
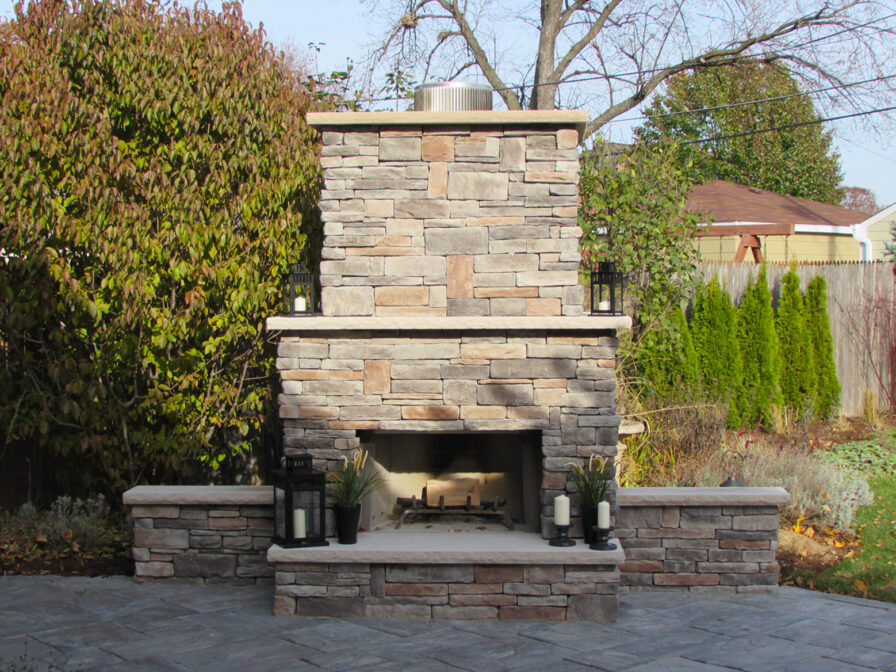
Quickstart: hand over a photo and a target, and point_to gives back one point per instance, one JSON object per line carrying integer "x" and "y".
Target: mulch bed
{"x": 69, "y": 566}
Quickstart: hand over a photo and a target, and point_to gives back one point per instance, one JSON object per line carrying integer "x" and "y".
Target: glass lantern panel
{"x": 305, "y": 514}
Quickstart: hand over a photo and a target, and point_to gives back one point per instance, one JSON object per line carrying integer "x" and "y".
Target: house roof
{"x": 741, "y": 210}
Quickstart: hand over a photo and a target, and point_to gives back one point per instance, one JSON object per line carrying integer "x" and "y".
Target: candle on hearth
{"x": 300, "y": 304}
{"x": 561, "y": 510}
{"x": 603, "y": 306}
{"x": 603, "y": 515}
{"x": 298, "y": 524}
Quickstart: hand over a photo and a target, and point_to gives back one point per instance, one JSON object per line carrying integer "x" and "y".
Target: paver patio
{"x": 55, "y": 623}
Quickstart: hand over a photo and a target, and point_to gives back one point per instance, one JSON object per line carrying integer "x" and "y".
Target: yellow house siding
{"x": 798, "y": 247}
{"x": 718, "y": 248}
{"x": 880, "y": 235}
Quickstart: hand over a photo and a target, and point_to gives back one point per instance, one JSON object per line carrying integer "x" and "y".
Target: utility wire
{"x": 870, "y": 151}
{"x": 794, "y": 125}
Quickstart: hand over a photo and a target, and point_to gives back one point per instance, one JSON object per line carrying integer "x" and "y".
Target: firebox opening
{"x": 506, "y": 465}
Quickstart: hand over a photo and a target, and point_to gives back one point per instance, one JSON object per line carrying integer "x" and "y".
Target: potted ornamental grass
{"x": 350, "y": 483}
{"x": 592, "y": 481}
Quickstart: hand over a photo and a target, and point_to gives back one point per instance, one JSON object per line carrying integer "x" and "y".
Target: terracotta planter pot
{"x": 348, "y": 519}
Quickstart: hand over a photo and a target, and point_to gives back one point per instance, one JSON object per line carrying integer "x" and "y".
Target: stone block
{"x": 284, "y": 605}
{"x": 211, "y": 541}
{"x": 494, "y": 600}
{"x": 416, "y": 371}
{"x": 478, "y": 186}
{"x": 155, "y": 511}
{"x": 505, "y": 395}
{"x": 460, "y": 392}
{"x": 533, "y": 368}
{"x": 302, "y": 591}
{"x": 527, "y": 589}
{"x": 416, "y": 589}
{"x": 454, "y": 241}
{"x": 688, "y": 521}
{"x": 400, "y": 149}
{"x": 427, "y": 351}
{"x": 512, "y": 155}
{"x": 466, "y": 307}
{"x": 447, "y": 612}
{"x": 572, "y": 588}
{"x": 686, "y": 579}
{"x": 429, "y": 574}
{"x": 543, "y": 307}
{"x": 498, "y": 573}
{"x": 165, "y": 538}
{"x": 422, "y": 208}
{"x": 401, "y": 296}
{"x": 438, "y": 148}
{"x": 154, "y": 569}
{"x": 755, "y": 522}
{"x": 331, "y": 607}
{"x": 594, "y": 608}
{"x": 544, "y": 573}
{"x": 430, "y": 412}
{"x": 533, "y": 613}
{"x": 204, "y": 565}
{"x": 347, "y": 301}
{"x": 459, "y": 276}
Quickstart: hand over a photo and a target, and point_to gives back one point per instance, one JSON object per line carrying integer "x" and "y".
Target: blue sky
{"x": 340, "y": 28}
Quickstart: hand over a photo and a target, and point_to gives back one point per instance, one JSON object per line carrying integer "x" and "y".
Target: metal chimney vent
{"x": 452, "y": 97}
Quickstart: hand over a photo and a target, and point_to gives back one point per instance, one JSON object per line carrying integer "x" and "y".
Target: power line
{"x": 870, "y": 151}
{"x": 786, "y": 126}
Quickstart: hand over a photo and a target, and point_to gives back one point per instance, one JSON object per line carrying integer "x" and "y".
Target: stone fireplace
{"x": 451, "y": 340}
{"x": 451, "y": 308}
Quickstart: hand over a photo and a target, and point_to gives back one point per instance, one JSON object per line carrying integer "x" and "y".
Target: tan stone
{"x": 460, "y": 276}
{"x": 551, "y": 382}
{"x": 505, "y": 292}
{"x": 418, "y": 311}
{"x": 354, "y": 424}
{"x": 567, "y": 138}
{"x": 377, "y": 376}
{"x": 317, "y": 374}
{"x": 394, "y": 241}
{"x": 438, "y": 148}
{"x": 528, "y": 412}
{"x": 378, "y": 208}
{"x": 402, "y": 296}
{"x": 493, "y": 350}
{"x": 543, "y": 307}
{"x": 381, "y": 252}
{"x": 318, "y": 412}
{"x": 565, "y": 211}
{"x": 553, "y": 480}
{"x": 496, "y": 221}
{"x": 430, "y": 413}
{"x": 550, "y": 396}
{"x": 551, "y": 176}
{"x": 483, "y": 412}
{"x": 438, "y": 180}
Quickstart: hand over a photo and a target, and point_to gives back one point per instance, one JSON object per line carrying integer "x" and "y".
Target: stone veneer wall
{"x": 561, "y": 383}
{"x": 202, "y": 534}
{"x": 436, "y": 219}
{"x": 456, "y": 592}
{"x": 700, "y": 539}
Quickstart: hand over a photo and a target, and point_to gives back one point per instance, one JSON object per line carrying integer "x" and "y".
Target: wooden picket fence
{"x": 862, "y": 310}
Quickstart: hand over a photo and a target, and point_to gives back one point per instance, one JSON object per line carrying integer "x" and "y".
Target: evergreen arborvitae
{"x": 797, "y": 365}
{"x": 715, "y": 343}
{"x": 666, "y": 356}
{"x": 827, "y": 387}
{"x": 759, "y": 350}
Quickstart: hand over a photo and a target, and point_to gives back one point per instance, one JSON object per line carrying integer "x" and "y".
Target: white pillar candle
{"x": 300, "y": 305}
{"x": 298, "y": 524}
{"x": 603, "y": 515}
{"x": 561, "y": 510}
{"x": 603, "y": 305}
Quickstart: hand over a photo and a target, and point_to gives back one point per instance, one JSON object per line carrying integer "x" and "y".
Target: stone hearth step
{"x": 443, "y": 575}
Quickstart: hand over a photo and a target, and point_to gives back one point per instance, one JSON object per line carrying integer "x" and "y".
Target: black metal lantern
{"x": 606, "y": 289}
{"x": 300, "y": 292}
{"x": 299, "y": 503}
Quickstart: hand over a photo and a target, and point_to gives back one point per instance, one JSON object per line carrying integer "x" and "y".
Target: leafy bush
{"x": 874, "y": 457}
{"x": 666, "y": 357}
{"x": 827, "y": 387}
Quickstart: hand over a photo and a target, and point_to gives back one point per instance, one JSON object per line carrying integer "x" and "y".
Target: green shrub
{"x": 874, "y": 457}
{"x": 827, "y": 387}
{"x": 820, "y": 492}
{"x": 715, "y": 344}
{"x": 797, "y": 364}
{"x": 666, "y": 357}
{"x": 760, "y": 357}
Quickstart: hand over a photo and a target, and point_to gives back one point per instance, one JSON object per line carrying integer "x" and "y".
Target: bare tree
{"x": 861, "y": 199}
{"x": 608, "y": 56}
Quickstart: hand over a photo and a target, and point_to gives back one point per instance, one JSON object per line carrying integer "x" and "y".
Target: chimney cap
{"x": 452, "y": 97}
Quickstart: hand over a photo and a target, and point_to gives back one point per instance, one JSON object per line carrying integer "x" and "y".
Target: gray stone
{"x": 595, "y": 608}
{"x": 533, "y": 368}
{"x": 456, "y": 241}
{"x": 429, "y": 574}
{"x": 398, "y": 149}
{"x": 421, "y": 209}
{"x": 462, "y": 307}
{"x": 170, "y": 538}
{"x": 347, "y": 301}
{"x": 330, "y": 607}
{"x": 514, "y": 394}
{"x": 205, "y": 565}
{"x": 479, "y": 186}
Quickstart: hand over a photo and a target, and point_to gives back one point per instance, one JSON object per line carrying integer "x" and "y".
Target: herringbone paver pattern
{"x": 53, "y": 623}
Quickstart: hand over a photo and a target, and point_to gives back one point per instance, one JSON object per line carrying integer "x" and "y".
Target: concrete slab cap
{"x": 427, "y": 323}
{"x": 518, "y": 548}
{"x": 198, "y": 495}
{"x": 702, "y": 496}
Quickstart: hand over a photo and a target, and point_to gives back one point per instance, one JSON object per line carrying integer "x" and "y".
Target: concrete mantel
{"x": 199, "y": 495}
{"x": 449, "y": 323}
{"x": 576, "y": 118}
{"x": 702, "y": 497}
{"x": 522, "y": 548}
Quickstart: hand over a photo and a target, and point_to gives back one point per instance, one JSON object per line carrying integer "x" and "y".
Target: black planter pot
{"x": 589, "y": 520}
{"x": 348, "y": 519}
